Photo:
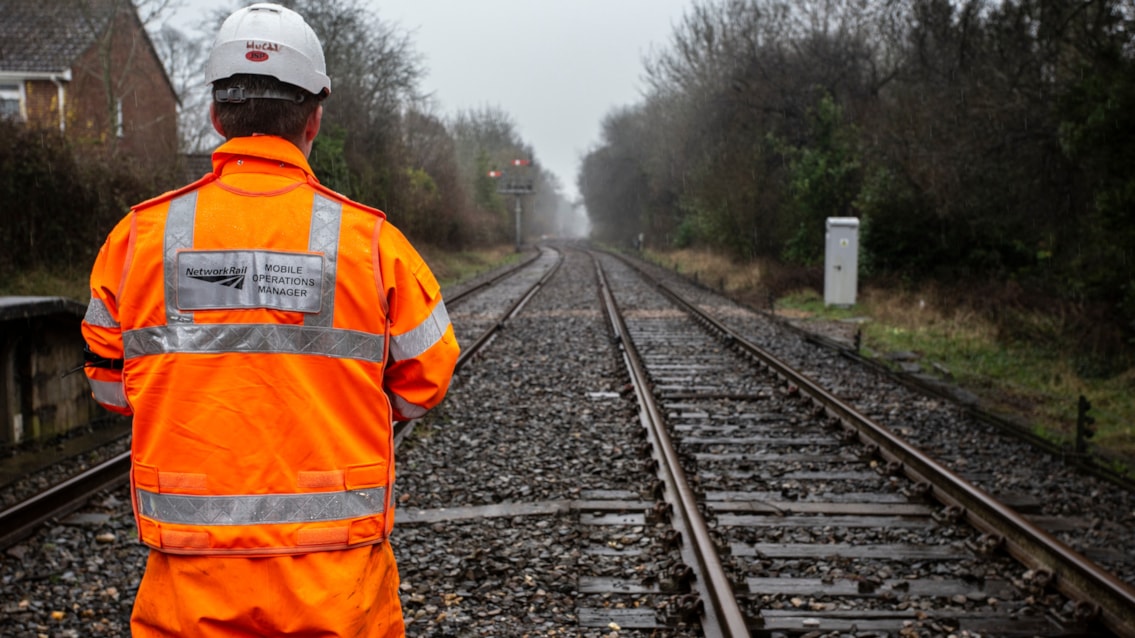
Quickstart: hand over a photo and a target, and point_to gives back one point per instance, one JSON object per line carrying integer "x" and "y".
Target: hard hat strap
{"x": 239, "y": 95}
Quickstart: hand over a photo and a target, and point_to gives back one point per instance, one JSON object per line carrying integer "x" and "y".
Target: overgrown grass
{"x": 712, "y": 269}
{"x": 1030, "y": 373}
{"x": 454, "y": 267}
{"x": 1035, "y": 379}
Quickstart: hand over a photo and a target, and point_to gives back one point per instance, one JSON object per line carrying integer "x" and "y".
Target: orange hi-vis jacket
{"x": 264, "y": 332}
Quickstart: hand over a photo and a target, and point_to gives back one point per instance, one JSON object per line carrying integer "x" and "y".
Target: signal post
{"x": 516, "y": 183}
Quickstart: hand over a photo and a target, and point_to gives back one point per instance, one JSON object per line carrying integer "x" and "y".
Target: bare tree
{"x": 104, "y": 22}
{"x": 184, "y": 58}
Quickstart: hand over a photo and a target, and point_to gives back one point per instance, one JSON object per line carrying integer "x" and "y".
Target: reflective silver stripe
{"x": 407, "y": 409}
{"x": 109, "y": 393}
{"x": 324, "y": 238}
{"x": 263, "y": 338}
{"x": 422, "y": 338}
{"x": 261, "y": 509}
{"x": 179, "y": 236}
{"x": 98, "y": 315}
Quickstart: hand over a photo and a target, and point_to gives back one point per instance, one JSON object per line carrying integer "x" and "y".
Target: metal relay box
{"x": 841, "y": 261}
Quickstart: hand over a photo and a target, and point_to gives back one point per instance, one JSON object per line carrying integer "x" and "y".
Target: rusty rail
{"x": 21, "y": 519}
{"x": 1072, "y": 574}
{"x": 723, "y": 616}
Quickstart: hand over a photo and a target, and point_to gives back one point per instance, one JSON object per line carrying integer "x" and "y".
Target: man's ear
{"x": 215, "y": 120}
{"x": 310, "y": 130}
{"x": 313, "y": 122}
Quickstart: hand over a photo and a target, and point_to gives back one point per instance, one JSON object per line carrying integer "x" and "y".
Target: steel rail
{"x": 723, "y": 617}
{"x": 1074, "y": 575}
{"x": 1089, "y": 463}
{"x": 402, "y": 429}
{"x": 22, "y": 519}
{"x": 510, "y": 313}
{"x": 504, "y": 274}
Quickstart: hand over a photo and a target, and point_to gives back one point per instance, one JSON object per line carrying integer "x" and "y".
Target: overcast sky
{"x": 556, "y": 66}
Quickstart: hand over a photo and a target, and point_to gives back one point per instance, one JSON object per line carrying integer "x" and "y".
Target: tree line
{"x": 382, "y": 144}
{"x": 974, "y": 139}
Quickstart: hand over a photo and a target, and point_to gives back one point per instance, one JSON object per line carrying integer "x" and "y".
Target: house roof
{"x": 47, "y": 36}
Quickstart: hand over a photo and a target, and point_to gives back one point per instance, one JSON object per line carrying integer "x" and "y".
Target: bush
{"x": 59, "y": 204}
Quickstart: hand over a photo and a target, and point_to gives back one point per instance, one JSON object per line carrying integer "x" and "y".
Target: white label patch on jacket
{"x": 239, "y": 279}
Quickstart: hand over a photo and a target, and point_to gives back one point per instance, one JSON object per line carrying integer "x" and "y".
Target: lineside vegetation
{"x": 984, "y": 143}
{"x": 986, "y": 146}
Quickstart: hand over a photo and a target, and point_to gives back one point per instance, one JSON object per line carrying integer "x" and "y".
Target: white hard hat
{"x": 267, "y": 39}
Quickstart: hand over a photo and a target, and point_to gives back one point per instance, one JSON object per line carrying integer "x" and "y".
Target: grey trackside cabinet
{"x": 841, "y": 261}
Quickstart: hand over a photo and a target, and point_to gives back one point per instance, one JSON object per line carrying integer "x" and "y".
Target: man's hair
{"x": 267, "y": 116}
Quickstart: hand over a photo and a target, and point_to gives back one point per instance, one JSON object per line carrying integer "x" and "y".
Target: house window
{"x": 119, "y": 127}
{"x": 10, "y": 102}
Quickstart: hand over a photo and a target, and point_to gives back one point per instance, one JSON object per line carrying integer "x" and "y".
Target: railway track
{"x": 607, "y": 465}
{"x": 527, "y": 505}
{"x": 788, "y": 460}
{"x": 818, "y": 529}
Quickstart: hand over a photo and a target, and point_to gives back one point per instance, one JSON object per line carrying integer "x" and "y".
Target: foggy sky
{"x": 555, "y": 66}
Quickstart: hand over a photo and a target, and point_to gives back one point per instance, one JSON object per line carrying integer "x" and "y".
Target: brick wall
{"x": 149, "y": 105}
{"x": 42, "y": 103}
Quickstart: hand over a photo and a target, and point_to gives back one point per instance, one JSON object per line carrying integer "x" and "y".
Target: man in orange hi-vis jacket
{"x": 264, "y": 332}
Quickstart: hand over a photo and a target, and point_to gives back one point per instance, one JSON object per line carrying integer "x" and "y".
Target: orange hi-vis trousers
{"x": 327, "y": 594}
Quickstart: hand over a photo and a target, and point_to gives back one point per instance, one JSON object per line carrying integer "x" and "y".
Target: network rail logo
{"x": 247, "y": 279}
{"x": 229, "y": 276}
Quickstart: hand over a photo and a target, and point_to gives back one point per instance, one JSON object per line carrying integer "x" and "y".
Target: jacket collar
{"x": 270, "y": 148}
